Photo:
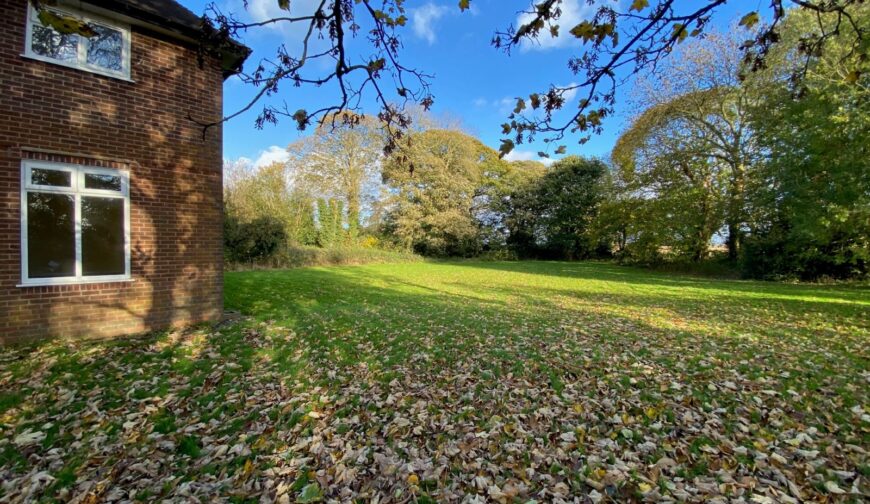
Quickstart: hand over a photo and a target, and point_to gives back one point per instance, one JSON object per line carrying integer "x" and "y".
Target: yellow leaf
{"x": 583, "y": 30}
{"x": 248, "y": 469}
{"x": 680, "y": 33}
{"x": 644, "y": 487}
{"x": 749, "y": 20}
{"x": 638, "y": 5}
{"x": 413, "y": 479}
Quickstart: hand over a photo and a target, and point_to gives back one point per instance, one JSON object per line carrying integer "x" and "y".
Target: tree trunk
{"x": 735, "y": 210}
{"x": 353, "y": 220}
{"x": 733, "y": 240}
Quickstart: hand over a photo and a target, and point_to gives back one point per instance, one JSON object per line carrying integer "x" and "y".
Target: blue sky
{"x": 473, "y": 81}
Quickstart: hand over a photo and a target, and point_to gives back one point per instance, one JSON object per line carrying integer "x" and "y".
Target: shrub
{"x": 248, "y": 242}
{"x": 300, "y": 256}
{"x": 778, "y": 255}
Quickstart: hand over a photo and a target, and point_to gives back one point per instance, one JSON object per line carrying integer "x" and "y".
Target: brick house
{"x": 110, "y": 195}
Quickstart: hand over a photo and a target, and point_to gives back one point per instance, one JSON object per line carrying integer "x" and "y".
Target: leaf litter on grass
{"x": 572, "y": 400}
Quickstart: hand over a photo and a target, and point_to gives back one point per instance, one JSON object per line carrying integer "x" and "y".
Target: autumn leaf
{"x": 679, "y": 32}
{"x": 749, "y": 20}
{"x": 505, "y": 148}
{"x": 584, "y": 30}
{"x": 638, "y": 5}
{"x": 66, "y": 25}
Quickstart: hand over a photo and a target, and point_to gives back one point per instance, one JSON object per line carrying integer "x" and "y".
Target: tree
{"x": 330, "y": 222}
{"x": 617, "y": 42}
{"x": 810, "y": 204}
{"x": 433, "y": 178}
{"x": 689, "y": 152}
{"x": 341, "y": 163}
{"x": 251, "y": 193}
{"x": 553, "y": 216}
{"x": 493, "y": 198}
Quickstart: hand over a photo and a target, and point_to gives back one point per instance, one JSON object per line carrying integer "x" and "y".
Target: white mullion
{"x": 82, "y": 50}
{"x": 127, "y": 245}
{"x": 78, "y": 235}
{"x": 25, "y": 265}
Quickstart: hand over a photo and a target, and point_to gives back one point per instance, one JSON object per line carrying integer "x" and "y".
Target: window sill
{"x": 76, "y": 66}
{"x": 53, "y": 282}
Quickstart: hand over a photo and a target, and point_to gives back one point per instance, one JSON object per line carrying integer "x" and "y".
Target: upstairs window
{"x": 107, "y": 52}
{"x": 74, "y": 224}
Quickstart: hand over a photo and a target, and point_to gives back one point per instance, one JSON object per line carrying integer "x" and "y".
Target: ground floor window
{"x": 74, "y": 224}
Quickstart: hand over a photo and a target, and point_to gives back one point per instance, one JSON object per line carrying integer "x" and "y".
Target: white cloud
{"x": 273, "y": 154}
{"x": 480, "y": 102}
{"x": 521, "y": 155}
{"x": 505, "y": 105}
{"x": 423, "y": 20}
{"x": 573, "y": 12}
{"x": 570, "y": 94}
{"x": 263, "y": 10}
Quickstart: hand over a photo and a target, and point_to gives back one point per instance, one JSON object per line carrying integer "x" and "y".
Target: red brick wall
{"x": 62, "y": 114}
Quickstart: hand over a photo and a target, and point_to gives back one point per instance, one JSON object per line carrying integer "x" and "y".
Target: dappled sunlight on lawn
{"x": 436, "y": 382}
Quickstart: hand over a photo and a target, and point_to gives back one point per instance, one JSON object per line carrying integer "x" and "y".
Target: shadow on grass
{"x": 549, "y": 323}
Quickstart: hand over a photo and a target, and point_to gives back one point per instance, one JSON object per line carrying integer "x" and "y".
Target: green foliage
{"x": 330, "y": 221}
{"x": 493, "y": 200}
{"x": 685, "y": 158}
{"x": 810, "y": 203}
{"x": 434, "y": 178}
{"x": 341, "y": 161}
{"x": 247, "y": 242}
{"x": 779, "y": 166}
{"x": 251, "y": 193}
{"x": 553, "y": 215}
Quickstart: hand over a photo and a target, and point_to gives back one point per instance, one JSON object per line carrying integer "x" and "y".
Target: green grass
{"x": 430, "y": 381}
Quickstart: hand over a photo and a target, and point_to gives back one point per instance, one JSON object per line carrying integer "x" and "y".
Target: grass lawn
{"x": 434, "y": 382}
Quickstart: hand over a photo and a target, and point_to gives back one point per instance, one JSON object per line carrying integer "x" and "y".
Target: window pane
{"x": 102, "y": 236}
{"x": 105, "y": 49}
{"x": 49, "y": 43}
{"x": 105, "y": 182}
{"x": 57, "y": 178}
{"x": 50, "y": 235}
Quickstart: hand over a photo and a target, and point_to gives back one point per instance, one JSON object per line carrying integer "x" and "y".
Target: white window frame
{"x": 81, "y": 63}
{"x": 76, "y": 189}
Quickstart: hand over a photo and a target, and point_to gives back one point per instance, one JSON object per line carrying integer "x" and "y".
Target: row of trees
{"x": 772, "y": 170}
{"x": 777, "y": 167}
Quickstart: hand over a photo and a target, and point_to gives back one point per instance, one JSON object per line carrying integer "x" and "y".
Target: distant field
{"x": 428, "y": 382}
